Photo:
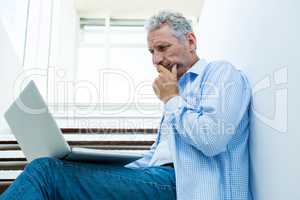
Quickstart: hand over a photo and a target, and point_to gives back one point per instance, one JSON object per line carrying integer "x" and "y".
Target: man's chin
{"x": 168, "y": 67}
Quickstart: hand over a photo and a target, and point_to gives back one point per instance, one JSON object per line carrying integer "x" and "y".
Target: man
{"x": 202, "y": 142}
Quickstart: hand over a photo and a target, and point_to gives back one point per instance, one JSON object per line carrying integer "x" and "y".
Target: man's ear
{"x": 191, "y": 38}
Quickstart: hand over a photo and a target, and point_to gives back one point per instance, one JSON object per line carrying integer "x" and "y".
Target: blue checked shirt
{"x": 208, "y": 130}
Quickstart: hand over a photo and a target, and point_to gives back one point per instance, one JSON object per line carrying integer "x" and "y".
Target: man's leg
{"x": 49, "y": 178}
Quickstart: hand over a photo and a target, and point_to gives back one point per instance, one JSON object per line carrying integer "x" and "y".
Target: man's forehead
{"x": 163, "y": 30}
{"x": 161, "y": 35}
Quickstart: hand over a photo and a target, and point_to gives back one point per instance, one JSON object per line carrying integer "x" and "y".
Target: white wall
{"x": 51, "y": 40}
{"x": 63, "y": 49}
{"x": 262, "y": 38}
{"x": 36, "y": 59}
{"x": 9, "y": 66}
{"x": 13, "y": 14}
{"x": 12, "y": 40}
{"x": 53, "y": 27}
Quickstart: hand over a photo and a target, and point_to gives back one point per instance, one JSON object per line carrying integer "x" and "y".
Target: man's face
{"x": 167, "y": 50}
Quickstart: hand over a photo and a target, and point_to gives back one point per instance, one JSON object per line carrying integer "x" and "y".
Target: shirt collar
{"x": 198, "y": 67}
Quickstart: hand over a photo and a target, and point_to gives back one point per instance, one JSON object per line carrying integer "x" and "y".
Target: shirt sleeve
{"x": 145, "y": 160}
{"x": 223, "y": 100}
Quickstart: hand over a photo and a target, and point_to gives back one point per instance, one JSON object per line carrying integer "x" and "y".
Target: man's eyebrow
{"x": 160, "y": 45}
{"x": 164, "y": 45}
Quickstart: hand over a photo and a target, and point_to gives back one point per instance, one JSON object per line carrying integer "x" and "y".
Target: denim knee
{"x": 44, "y": 163}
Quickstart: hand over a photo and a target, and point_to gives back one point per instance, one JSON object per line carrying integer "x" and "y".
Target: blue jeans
{"x": 50, "y": 178}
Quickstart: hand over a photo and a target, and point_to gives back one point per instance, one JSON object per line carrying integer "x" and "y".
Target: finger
{"x": 162, "y": 69}
{"x": 158, "y": 81}
{"x": 162, "y": 77}
{"x": 157, "y": 69}
{"x": 174, "y": 70}
{"x": 156, "y": 86}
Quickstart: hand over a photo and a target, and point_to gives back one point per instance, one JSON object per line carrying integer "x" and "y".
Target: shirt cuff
{"x": 173, "y": 105}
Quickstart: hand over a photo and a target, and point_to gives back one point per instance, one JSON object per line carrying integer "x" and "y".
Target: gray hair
{"x": 178, "y": 23}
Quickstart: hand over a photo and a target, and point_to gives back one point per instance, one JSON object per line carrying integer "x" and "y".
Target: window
{"x": 93, "y": 72}
{"x": 114, "y": 58}
{"x": 111, "y": 85}
{"x": 114, "y": 67}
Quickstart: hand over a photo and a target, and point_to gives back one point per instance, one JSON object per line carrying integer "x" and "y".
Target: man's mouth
{"x": 168, "y": 66}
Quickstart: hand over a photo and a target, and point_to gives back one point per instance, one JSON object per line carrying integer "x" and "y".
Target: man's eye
{"x": 162, "y": 48}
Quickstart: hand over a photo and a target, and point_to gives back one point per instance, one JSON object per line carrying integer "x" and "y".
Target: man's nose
{"x": 157, "y": 58}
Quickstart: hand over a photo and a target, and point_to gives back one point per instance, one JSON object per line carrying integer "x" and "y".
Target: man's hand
{"x": 165, "y": 85}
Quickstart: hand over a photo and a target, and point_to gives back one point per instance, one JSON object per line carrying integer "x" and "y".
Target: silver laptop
{"x": 39, "y": 136}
